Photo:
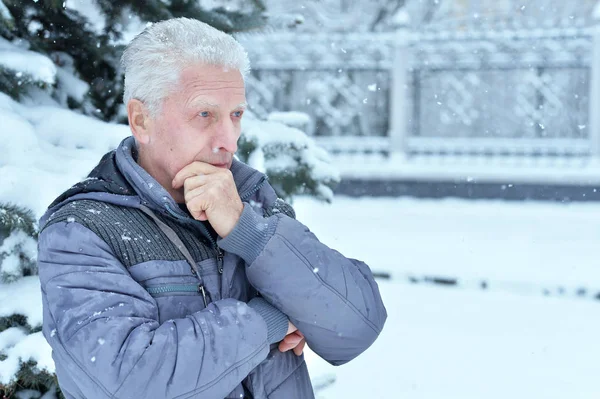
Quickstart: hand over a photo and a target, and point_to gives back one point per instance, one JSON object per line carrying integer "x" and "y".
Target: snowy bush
{"x": 18, "y": 248}
{"x": 25, "y": 357}
{"x": 292, "y": 160}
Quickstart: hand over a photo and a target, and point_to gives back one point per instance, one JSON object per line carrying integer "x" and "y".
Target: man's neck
{"x": 160, "y": 176}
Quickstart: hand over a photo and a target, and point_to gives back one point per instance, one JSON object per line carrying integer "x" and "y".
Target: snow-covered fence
{"x": 509, "y": 93}
{"x": 341, "y": 80}
{"x": 504, "y": 86}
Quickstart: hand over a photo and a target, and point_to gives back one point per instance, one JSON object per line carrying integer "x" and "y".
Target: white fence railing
{"x": 519, "y": 92}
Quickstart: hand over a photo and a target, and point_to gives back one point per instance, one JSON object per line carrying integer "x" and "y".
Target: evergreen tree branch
{"x": 15, "y": 83}
{"x": 17, "y": 320}
{"x": 221, "y": 18}
{"x": 6, "y": 20}
{"x": 14, "y": 217}
{"x": 30, "y": 377}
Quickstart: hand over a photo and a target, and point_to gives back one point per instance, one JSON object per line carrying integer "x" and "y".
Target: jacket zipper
{"x": 175, "y": 288}
{"x": 220, "y": 256}
{"x": 257, "y": 187}
{"x": 203, "y": 292}
{"x": 205, "y": 233}
{"x": 218, "y": 250}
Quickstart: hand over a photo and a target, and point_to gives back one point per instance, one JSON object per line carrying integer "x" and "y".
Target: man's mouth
{"x": 221, "y": 165}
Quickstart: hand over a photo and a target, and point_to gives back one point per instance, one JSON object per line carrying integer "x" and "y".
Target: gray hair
{"x": 154, "y": 59}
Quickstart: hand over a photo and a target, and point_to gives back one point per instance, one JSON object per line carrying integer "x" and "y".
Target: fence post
{"x": 399, "y": 112}
{"x": 594, "y": 111}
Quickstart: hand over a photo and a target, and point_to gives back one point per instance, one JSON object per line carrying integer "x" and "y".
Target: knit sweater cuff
{"x": 250, "y": 235}
{"x": 277, "y": 321}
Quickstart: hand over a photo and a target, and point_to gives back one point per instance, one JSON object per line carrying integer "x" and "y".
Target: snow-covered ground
{"x": 455, "y": 342}
{"x": 515, "y": 246}
{"x": 443, "y": 343}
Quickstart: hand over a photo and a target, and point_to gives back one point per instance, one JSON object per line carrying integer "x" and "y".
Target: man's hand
{"x": 210, "y": 194}
{"x": 293, "y": 340}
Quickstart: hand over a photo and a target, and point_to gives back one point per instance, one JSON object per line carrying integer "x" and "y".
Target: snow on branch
{"x": 27, "y": 63}
{"x": 293, "y": 161}
{"x": 4, "y": 13}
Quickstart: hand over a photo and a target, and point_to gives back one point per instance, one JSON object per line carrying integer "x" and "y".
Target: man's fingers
{"x": 193, "y": 169}
{"x": 190, "y": 195}
{"x": 201, "y": 217}
{"x": 300, "y": 347}
{"x": 286, "y": 346}
{"x": 194, "y": 182}
{"x": 282, "y": 347}
{"x": 295, "y": 341}
{"x": 290, "y": 341}
{"x": 196, "y": 202}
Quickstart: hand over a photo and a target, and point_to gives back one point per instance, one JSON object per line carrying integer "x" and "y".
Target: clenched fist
{"x": 210, "y": 194}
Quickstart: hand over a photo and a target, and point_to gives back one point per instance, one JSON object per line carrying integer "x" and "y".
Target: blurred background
{"x": 453, "y": 145}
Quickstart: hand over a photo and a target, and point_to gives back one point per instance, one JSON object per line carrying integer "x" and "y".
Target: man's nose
{"x": 227, "y": 137}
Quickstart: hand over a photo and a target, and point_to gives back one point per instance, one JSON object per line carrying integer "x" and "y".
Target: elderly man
{"x": 173, "y": 271}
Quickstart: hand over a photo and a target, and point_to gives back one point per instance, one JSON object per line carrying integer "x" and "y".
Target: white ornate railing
{"x": 520, "y": 90}
{"x": 340, "y": 80}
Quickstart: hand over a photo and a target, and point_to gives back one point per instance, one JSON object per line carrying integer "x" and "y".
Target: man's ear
{"x": 139, "y": 121}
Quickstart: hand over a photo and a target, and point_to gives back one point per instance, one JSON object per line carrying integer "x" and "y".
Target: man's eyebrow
{"x": 243, "y": 105}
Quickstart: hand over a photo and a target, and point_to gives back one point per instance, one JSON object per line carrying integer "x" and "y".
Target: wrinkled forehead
{"x": 211, "y": 85}
{"x": 207, "y": 74}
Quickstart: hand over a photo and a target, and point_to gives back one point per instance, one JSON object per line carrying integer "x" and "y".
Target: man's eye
{"x": 238, "y": 114}
{"x": 204, "y": 114}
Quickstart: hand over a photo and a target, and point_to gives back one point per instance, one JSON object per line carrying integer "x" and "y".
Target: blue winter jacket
{"x": 142, "y": 301}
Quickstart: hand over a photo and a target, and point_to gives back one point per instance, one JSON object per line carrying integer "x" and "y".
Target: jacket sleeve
{"x": 334, "y": 301}
{"x": 104, "y": 331}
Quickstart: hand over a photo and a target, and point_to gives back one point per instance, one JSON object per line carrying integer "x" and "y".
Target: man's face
{"x": 199, "y": 121}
